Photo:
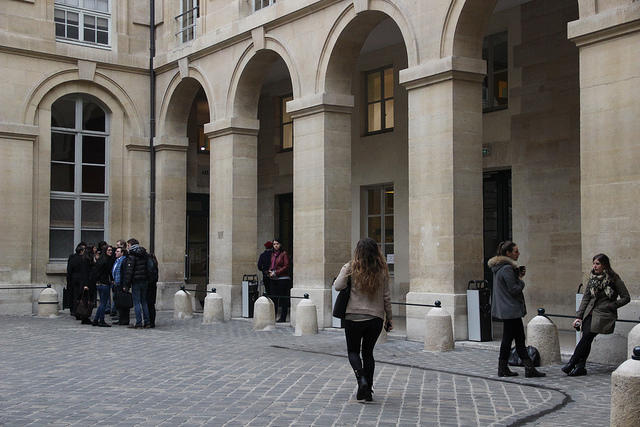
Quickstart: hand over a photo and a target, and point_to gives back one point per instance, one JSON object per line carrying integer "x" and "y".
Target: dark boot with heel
{"x": 530, "y": 371}
{"x": 580, "y": 369}
{"x": 363, "y": 385}
{"x": 570, "y": 365}
{"x": 503, "y": 369}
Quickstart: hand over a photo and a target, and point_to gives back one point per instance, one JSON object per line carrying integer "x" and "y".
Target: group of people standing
{"x": 275, "y": 265}
{"x": 118, "y": 277}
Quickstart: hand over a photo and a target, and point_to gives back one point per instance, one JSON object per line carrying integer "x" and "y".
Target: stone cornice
{"x": 233, "y": 125}
{"x": 320, "y": 103}
{"x": 170, "y": 147}
{"x": 443, "y": 69}
{"x": 607, "y": 25}
{"x": 19, "y": 131}
{"x": 137, "y": 147}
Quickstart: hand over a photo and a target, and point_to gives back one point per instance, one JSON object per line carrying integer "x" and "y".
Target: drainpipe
{"x": 152, "y": 127}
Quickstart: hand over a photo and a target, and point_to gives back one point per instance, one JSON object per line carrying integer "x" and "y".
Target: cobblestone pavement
{"x": 58, "y": 372}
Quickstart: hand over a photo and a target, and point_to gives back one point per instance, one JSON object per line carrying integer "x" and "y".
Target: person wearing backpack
{"x": 152, "y": 288}
{"x": 136, "y": 279}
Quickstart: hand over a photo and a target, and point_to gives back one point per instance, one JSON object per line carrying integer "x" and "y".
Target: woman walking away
{"x": 598, "y": 311}
{"x": 508, "y": 306}
{"x": 368, "y": 304}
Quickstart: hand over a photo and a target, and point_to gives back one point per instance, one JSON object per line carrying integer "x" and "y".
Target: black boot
{"x": 503, "y": 369}
{"x": 570, "y": 365}
{"x": 579, "y": 370}
{"x": 363, "y": 385}
{"x": 368, "y": 395}
{"x": 530, "y": 371}
{"x": 283, "y": 315}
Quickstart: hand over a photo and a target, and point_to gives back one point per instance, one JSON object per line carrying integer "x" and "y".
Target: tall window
{"x": 380, "y": 100}
{"x": 286, "y": 124}
{"x": 79, "y": 169}
{"x": 259, "y": 4}
{"x": 189, "y": 12}
{"x": 85, "y": 21}
{"x": 379, "y": 219}
{"x": 495, "y": 88}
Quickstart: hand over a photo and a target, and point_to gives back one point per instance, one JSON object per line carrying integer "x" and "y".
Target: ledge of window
{"x": 56, "y": 268}
{"x": 496, "y": 108}
{"x": 85, "y": 44}
{"x": 378, "y": 132}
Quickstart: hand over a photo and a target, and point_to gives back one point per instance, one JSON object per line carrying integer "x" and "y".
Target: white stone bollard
{"x": 264, "y": 315}
{"x": 542, "y": 333}
{"x": 633, "y": 339}
{"x": 182, "y": 306}
{"x": 48, "y": 302}
{"x": 438, "y": 333}
{"x": 213, "y": 310}
{"x": 306, "y": 318}
{"x": 625, "y": 392}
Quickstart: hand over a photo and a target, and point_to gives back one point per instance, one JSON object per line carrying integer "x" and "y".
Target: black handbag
{"x": 514, "y": 358}
{"x": 66, "y": 298}
{"x": 124, "y": 300}
{"x": 340, "y": 307}
{"x": 84, "y": 307}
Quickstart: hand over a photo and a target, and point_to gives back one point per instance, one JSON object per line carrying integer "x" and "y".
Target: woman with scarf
{"x": 509, "y": 306}
{"x": 604, "y": 295}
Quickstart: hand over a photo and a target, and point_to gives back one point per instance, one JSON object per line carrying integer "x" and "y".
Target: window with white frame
{"x": 189, "y": 13}
{"x": 84, "y": 21}
{"x": 79, "y": 174}
{"x": 495, "y": 87}
{"x": 260, "y": 4}
{"x": 286, "y": 124}
{"x": 380, "y": 111}
{"x": 379, "y": 219}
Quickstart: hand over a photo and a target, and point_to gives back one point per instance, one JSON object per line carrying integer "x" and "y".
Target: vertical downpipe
{"x": 152, "y": 127}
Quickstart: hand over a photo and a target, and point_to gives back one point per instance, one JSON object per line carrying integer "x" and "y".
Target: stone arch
{"x": 170, "y": 113}
{"x": 68, "y": 81}
{"x": 246, "y": 81}
{"x": 360, "y": 23}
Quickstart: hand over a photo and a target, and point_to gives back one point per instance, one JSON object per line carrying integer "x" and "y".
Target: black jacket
{"x": 264, "y": 262}
{"x": 78, "y": 269}
{"x": 135, "y": 268}
{"x": 102, "y": 269}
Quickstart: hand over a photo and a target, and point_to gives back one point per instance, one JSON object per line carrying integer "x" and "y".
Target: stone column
{"x": 171, "y": 211}
{"x": 445, "y": 187}
{"x": 321, "y": 196}
{"x": 233, "y": 208}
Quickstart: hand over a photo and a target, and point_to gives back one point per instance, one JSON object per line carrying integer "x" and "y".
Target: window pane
{"x": 58, "y": 16}
{"x": 373, "y": 87}
{"x": 373, "y": 207}
{"x": 103, "y": 38}
{"x": 374, "y": 227}
{"x": 388, "y": 83}
{"x": 374, "y": 112}
{"x": 103, "y": 5}
{"x": 72, "y": 18}
{"x": 72, "y": 32}
{"x": 61, "y": 213}
{"x": 287, "y": 136}
{"x": 69, "y": 2}
{"x": 89, "y": 35}
{"x": 62, "y": 147}
{"x": 61, "y": 177}
{"x": 388, "y": 250}
{"x": 89, "y": 4}
{"x": 92, "y": 214}
{"x": 388, "y": 114}
{"x": 93, "y": 149}
{"x": 92, "y": 237}
{"x": 388, "y": 200}
{"x": 501, "y": 87}
{"x": 93, "y": 117}
{"x": 89, "y": 21}
{"x": 59, "y": 30}
{"x": 103, "y": 24}
{"x": 60, "y": 243}
{"x": 93, "y": 179}
{"x": 388, "y": 229}
{"x": 63, "y": 114}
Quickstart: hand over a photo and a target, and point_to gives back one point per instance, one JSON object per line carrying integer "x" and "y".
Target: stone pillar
{"x": 171, "y": 211}
{"x": 445, "y": 187}
{"x": 321, "y": 195}
{"x": 233, "y": 208}
{"x": 625, "y": 392}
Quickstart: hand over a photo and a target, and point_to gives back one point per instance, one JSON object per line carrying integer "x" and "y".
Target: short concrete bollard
{"x": 438, "y": 333}
{"x": 306, "y": 318}
{"x": 542, "y": 333}
{"x": 48, "y": 302}
{"x": 182, "y": 307}
{"x": 625, "y": 392}
{"x": 213, "y": 308}
{"x": 633, "y": 339}
{"x": 264, "y": 315}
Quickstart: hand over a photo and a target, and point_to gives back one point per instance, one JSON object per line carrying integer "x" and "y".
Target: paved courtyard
{"x": 58, "y": 372}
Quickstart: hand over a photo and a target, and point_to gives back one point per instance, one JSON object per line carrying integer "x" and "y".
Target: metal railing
{"x": 189, "y": 17}
{"x": 543, "y": 312}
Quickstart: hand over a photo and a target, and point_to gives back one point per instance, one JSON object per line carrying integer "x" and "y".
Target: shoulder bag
{"x": 340, "y": 307}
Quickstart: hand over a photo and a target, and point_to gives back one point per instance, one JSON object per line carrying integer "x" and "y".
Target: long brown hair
{"x": 368, "y": 268}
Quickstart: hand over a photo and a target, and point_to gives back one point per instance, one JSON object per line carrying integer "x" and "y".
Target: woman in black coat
{"x": 604, "y": 295}
{"x": 508, "y": 305}
{"x": 78, "y": 268}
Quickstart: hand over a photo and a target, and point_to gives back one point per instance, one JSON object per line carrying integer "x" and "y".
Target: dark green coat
{"x": 603, "y": 310}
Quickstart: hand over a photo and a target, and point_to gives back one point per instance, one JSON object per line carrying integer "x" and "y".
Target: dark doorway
{"x": 284, "y": 224}
{"x": 496, "y": 189}
{"x": 196, "y": 272}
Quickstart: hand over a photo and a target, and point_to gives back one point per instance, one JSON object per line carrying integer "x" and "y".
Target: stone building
{"x": 437, "y": 127}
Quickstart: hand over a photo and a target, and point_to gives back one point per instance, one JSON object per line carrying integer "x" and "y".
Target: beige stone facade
{"x": 567, "y": 137}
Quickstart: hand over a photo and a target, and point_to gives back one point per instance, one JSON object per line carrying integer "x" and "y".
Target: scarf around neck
{"x": 599, "y": 283}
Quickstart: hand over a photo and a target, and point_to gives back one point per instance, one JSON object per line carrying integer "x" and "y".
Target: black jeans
{"x": 281, "y": 287}
{"x": 513, "y": 330}
{"x": 152, "y": 291}
{"x": 584, "y": 345}
{"x": 365, "y": 333}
